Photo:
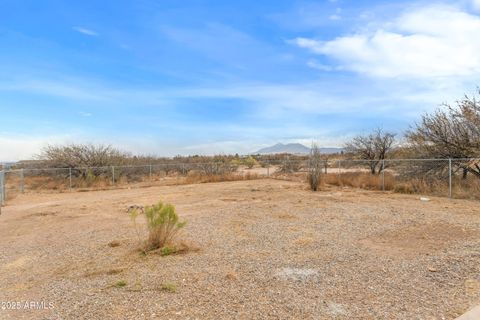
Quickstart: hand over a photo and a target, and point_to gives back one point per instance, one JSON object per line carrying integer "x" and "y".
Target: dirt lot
{"x": 267, "y": 249}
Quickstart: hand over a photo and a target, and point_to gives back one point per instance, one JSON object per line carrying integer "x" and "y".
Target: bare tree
{"x": 77, "y": 156}
{"x": 451, "y": 132}
{"x": 314, "y": 167}
{"x": 374, "y": 148}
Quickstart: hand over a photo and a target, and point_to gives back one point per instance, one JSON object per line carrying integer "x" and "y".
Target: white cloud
{"x": 425, "y": 42}
{"x": 319, "y": 66}
{"x": 86, "y": 31}
{"x": 335, "y": 17}
{"x": 476, "y": 4}
{"x": 19, "y": 147}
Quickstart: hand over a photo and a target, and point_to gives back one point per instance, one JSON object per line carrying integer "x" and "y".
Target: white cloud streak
{"x": 86, "y": 31}
{"x": 425, "y": 42}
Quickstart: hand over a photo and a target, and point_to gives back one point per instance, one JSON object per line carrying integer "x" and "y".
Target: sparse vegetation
{"x": 250, "y": 162}
{"x": 315, "y": 165}
{"x": 167, "y": 250}
{"x": 163, "y": 226}
{"x": 114, "y": 244}
{"x": 452, "y": 132}
{"x": 120, "y": 284}
{"x": 288, "y": 165}
{"x": 169, "y": 287}
{"x": 373, "y": 147}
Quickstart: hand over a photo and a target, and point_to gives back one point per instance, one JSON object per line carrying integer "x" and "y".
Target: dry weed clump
{"x": 163, "y": 225}
{"x": 461, "y": 188}
{"x": 200, "y": 177}
{"x": 315, "y": 167}
{"x": 466, "y": 188}
{"x": 361, "y": 180}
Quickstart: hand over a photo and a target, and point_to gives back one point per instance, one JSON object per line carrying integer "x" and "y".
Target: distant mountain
{"x": 294, "y": 148}
{"x": 331, "y": 150}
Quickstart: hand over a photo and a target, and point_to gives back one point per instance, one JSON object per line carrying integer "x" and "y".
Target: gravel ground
{"x": 267, "y": 249}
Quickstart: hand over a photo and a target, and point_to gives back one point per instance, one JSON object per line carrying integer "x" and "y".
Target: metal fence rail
{"x": 456, "y": 178}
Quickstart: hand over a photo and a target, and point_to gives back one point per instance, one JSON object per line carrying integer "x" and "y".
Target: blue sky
{"x": 208, "y": 77}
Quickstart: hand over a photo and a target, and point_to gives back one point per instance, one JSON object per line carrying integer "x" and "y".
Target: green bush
{"x": 250, "y": 162}
{"x": 169, "y": 287}
{"x": 163, "y": 225}
{"x": 167, "y": 250}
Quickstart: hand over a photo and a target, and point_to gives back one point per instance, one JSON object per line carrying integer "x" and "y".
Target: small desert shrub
{"x": 250, "y": 162}
{"x": 169, "y": 287}
{"x": 167, "y": 250}
{"x": 163, "y": 225}
{"x": 120, "y": 284}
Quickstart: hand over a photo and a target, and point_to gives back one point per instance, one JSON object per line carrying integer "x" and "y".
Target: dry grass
{"x": 360, "y": 180}
{"x": 199, "y": 177}
{"x": 114, "y": 244}
{"x": 466, "y": 189}
{"x": 231, "y": 275}
{"x": 303, "y": 241}
{"x": 461, "y": 188}
{"x": 286, "y": 216}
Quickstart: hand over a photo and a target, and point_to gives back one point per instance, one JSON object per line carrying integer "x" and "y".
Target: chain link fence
{"x": 456, "y": 178}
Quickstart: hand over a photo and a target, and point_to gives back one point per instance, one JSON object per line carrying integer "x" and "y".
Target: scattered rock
{"x": 297, "y": 274}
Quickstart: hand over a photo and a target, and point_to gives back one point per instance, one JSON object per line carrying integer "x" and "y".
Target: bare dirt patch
{"x": 288, "y": 253}
{"x": 419, "y": 239}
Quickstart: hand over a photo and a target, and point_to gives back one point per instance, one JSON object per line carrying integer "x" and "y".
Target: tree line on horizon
{"x": 451, "y": 131}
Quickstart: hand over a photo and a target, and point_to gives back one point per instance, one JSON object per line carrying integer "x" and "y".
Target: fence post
{"x": 450, "y": 177}
{"x": 150, "y": 172}
{"x": 22, "y": 181}
{"x": 113, "y": 175}
{"x": 2, "y": 188}
{"x": 268, "y": 169}
{"x": 70, "y": 178}
{"x": 383, "y": 175}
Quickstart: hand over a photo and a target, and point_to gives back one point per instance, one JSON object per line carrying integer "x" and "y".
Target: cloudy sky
{"x": 184, "y": 77}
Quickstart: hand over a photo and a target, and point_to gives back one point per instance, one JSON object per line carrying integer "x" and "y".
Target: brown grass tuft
{"x": 303, "y": 241}
{"x": 114, "y": 244}
{"x": 231, "y": 275}
{"x": 286, "y": 216}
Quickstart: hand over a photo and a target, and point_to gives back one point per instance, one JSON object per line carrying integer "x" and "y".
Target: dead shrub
{"x": 289, "y": 166}
{"x": 315, "y": 168}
